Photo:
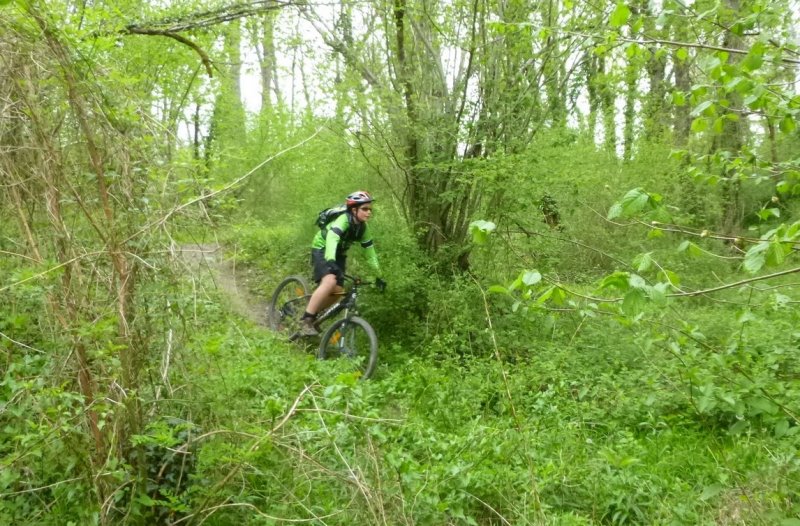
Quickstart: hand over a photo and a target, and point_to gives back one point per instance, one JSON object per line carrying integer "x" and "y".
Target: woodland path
{"x": 235, "y": 284}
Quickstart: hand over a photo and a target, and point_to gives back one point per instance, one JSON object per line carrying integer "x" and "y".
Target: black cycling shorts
{"x": 321, "y": 268}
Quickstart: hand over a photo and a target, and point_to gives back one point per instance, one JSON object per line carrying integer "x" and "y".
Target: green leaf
{"x": 690, "y": 248}
{"x": 480, "y": 231}
{"x": 766, "y": 213}
{"x": 658, "y": 293}
{"x": 699, "y": 125}
{"x": 620, "y": 15}
{"x": 498, "y": 289}
{"x": 755, "y": 57}
{"x": 618, "y": 280}
{"x": 486, "y": 226}
{"x": 775, "y": 254}
{"x": 479, "y": 237}
{"x": 733, "y": 83}
{"x": 558, "y": 296}
{"x": 761, "y": 405}
{"x": 546, "y": 295}
{"x": 637, "y": 282}
{"x": 4, "y": 3}
{"x": 634, "y": 201}
{"x": 643, "y": 262}
{"x": 752, "y": 62}
{"x": 783, "y": 187}
{"x": 615, "y": 211}
{"x": 738, "y": 427}
{"x": 554, "y": 294}
{"x": 531, "y": 277}
{"x": 755, "y": 257}
{"x": 678, "y": 98}
{"x": 787, "y": 124}
{"x": 702, "y": 107}
{"x": 745, "y": 316}
{"x": 682, "y": 54}
{"x": 673, "y": 278}
{"x": 634, "y": 302}
{"x": 754, "y": 101}
{"x": 780, "y": 431}
{"x": 145, "y": 500}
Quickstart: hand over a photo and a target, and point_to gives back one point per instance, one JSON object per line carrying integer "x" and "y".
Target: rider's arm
{"x": 369, "y": 250}
{"x": 334, "y": 235}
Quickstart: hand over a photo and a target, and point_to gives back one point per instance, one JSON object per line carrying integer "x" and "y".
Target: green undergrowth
{"x": 479, "y": 414}
{"x": 589, "y": 425}
{"x": 485, "y": 412}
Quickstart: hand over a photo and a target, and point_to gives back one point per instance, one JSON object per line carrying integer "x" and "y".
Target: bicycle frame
{"x": 346, "y": 304}
{"x": 348, "y": 336}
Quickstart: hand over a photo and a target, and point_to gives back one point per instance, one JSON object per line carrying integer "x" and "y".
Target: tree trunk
{"x": 731, "y": 140}
{"x": 268, "y": 62}
{"x": 607, "y": 103}
{"x": 631, "y": 94}
{"x": 682, "y": 121}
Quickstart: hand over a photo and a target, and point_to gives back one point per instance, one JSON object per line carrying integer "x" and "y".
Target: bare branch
{"x": 736, "y": 284}
{"x": 673, "y": 43}
{"x": 183, "y": 40}
{"x": 223, "y": 189}
{"x": 206, "y": 19}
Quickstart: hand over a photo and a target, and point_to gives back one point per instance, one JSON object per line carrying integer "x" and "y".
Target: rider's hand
{"x": 380, "y": 284}
{"x": 334, "y": 269}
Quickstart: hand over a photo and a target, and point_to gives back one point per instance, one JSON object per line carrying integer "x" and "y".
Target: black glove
{"x": 334, "y": 269}
{"x": 380, "y": 284}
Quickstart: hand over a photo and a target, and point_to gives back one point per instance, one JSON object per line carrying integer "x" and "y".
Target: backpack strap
{"x": 353, "y": 232}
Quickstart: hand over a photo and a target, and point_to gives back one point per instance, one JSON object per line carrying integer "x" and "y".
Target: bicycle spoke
{"x": 354, "y": 341}
{"x": 288, "y": 304}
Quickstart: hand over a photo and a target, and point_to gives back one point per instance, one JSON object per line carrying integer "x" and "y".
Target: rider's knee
{"x": 329, "y": 280}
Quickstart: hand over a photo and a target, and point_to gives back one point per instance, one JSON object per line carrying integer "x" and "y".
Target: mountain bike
{"x": 350, "y": 337}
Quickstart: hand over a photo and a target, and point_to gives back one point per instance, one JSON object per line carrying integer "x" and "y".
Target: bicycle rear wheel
{"x": 287, "y": 306}
{"x": 352, "y": 339}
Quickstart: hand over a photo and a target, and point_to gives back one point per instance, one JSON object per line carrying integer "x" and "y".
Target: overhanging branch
{"x": 183, "y": 40}
{"x": 172, "y": 27}
{"x": 206, "y": 19}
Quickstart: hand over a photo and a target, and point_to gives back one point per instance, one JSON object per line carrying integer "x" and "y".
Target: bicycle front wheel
{"x": 352, "y": 339}
{"x": 287, "y": 306}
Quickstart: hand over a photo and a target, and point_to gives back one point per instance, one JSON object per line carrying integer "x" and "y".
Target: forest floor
{"x": 234, "y": 284}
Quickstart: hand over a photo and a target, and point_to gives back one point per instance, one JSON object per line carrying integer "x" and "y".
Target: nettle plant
{"x": 736, "y": 363}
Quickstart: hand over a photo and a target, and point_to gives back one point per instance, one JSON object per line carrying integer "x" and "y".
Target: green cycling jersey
{"x": 339, "y": 234}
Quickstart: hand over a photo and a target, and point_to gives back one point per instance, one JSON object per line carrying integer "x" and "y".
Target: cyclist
{"x": 329, "y": 255}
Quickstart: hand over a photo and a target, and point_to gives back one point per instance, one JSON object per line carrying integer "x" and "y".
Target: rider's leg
{"x": 327, "y": 291}
{"x": 325, "y": 295}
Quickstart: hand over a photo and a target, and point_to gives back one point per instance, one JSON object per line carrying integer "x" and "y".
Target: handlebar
{"x": 357, "y": 281}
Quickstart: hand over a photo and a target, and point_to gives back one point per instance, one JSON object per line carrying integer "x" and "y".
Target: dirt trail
{"x": 234, "y": 284}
